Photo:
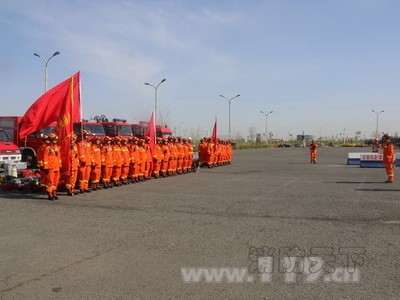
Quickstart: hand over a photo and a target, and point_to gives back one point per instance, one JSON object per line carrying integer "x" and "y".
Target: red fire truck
{"x": 95, "y": 129}
{"x": 9, "y": 152}
{"x": 28, "y": 146}
{"x": 117, "y": 127}
{"x": 166, "y": 132}
{"x": 139, "y": 130}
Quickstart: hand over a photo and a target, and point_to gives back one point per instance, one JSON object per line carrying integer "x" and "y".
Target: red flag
{"x": 151, "y": 132}
{"x": 61, "y": 104}
{"x": 214, "y": 132}
{"x": 54, "y": 106}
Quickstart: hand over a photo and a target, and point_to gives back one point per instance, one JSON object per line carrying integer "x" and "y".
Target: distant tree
{"x": 239, "y": 137}
{"x": 252, "y": 133}
{"x": 195, "y": 135}
{"x": 163, "y": 118}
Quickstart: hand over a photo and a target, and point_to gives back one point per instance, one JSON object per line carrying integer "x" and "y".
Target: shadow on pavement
{"x": 358, "y": 182}
{"x": 378, "y": 190}
{"x": 22, "y": 195}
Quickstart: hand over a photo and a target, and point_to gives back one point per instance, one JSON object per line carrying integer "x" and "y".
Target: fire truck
{"x": 95, "y": 129}
{"x": 28, "y": 146}
{"x": 9, "y": 152}
{"x": 116, "y": 127}
{"x": 166, "y": 132}
{"x": 139, "y": 130}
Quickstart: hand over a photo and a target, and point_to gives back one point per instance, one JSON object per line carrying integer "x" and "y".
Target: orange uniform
{"x": 126, "y": 161}
{"x": 203, "y": 151}
{"x": 165, "y": 160}
{"x": 180, "y": 154}
{"x": 185, "y": 148}
{"x": 135, "y": 165}
{"x": 95, "y": 173}
{"x": 190, "y": 157}
{"x": 72, "y": 173}
{"x": 118, "y": 161}
{"x": 313, "y": 152}
{"x": 107, "y": 162}
{"x": 388, "y": 158}
{"x": 85, "y": 162}
{"x": 210, "y": 153}
{"x": 158, "y": 157}
{"x": 149, "y": 161}
{"x": 173, "y": 157}
{"x": 51, "y": 167}
{"x": 39, "y": 157}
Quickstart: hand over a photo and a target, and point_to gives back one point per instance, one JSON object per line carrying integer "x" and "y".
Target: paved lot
{"x": 131, "y": 242}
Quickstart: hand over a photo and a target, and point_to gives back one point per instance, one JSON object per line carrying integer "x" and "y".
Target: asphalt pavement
{"x": 289, "y": 229}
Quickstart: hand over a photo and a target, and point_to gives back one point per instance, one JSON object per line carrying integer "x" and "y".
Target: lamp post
{"x": 344, "y": 139}
{"x": 229, "y": 101}
{"x": 46, "y": 62}
{"x": 266, "y": 124}
{"x": 377, "y": 121}
{"x": 155, "y": 97}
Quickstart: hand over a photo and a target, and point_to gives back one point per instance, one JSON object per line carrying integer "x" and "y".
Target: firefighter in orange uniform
{"x": 210, "y": 152}
{"x": 149, "y": 159}
{"x": 107, "y": 162}
{"x": 180, "y": 154}
{"x": 185, "y": 150}
{"x": 142, "y": 159}
{"x": 190, "y": 155}
{"x": 136, "y": 158}
{"x": 39, "y": 157}
{"x": 166, "y": 155}
{"x": 388, "y": 157}
{"x": 95, "y": 174}
{"x": 157, "y": 158}
{"x": 203, "y": 151}
{"x": 118, "y": 161}
{"x": 51, "y": 166}
{"x": 72, "y": 173}
{"x": 313, "y": 152}
{"x": 217, "y": 155}
{"x": 173, "y": 158}
{"x": 84, "y": 150}
{"x": 126, "y": 161}
{"x": 131, "y": 172}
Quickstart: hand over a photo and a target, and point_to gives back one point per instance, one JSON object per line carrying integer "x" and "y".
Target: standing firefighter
{"x": 388, "y": 157}
{"x": 51, "y": 166}
{"x": 72, "y": 173}
{"x": 85, "y": 162}
{"x": 313, "y": 152}
{"x": 107, "y": 161}
{"x": 95, "y": 174}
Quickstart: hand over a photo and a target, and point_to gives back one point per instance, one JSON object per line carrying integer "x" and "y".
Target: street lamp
{"x": 377, "y": 121}
{"x": 344, "y": 130}
{"x": 266, "y": 124}
{"x": 46, "y": 62}
{"x": 229, "y": 101}
{"x": 155, "y": 97}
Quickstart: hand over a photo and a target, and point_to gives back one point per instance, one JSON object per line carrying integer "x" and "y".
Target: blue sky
{"x": 321, "y": 66}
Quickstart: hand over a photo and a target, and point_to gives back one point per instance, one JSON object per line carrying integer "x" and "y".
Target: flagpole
{"x": 80, "y": 98}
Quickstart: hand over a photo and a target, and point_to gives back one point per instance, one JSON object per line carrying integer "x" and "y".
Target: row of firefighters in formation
{"x": 118, "y": 161}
